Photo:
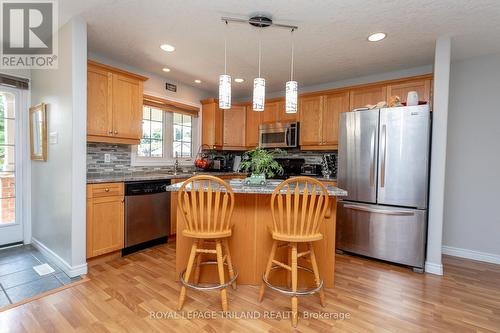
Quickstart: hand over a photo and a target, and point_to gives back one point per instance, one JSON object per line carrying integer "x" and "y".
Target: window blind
{"x": 14, "y": 82}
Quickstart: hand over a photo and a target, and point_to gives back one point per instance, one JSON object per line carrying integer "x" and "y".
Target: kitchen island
{"x": 250, "y": 243}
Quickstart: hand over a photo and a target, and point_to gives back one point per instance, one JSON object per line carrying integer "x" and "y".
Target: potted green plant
{"x": 261, "y": 163}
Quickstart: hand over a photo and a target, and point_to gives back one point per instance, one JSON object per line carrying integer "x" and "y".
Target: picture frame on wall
{"x": 38, "y": 132}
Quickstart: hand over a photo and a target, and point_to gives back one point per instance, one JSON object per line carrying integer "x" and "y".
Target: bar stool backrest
{"x": 298, "y": 206}
{"x": 207, "y": 204}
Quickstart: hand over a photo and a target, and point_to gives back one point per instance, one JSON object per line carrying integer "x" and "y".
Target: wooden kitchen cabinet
{"x": 333, "y": 105}
{"x": 401, "y": 89}
{"x": 105, "y": 218}
{"x": 270, "y": 113}
{"x": 372, "y": 94}
{"x": 274, "y": 111}
{"x": 99, "y": 108}
{"x": 310, "y": 116}
{"x": 127, "y": 107}
{"x": 114, "y": 104}
{"x": 284, "y": 117}
{"x": 319, "y": 120}
{"x": 253, "y": 121}
{"x": 234, "y": 127}
{"x": 318, "y": 113}
{"x": 212, "y": 124}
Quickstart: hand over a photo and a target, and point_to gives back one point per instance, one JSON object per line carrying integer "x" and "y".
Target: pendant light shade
{"x": 259, "y": 87}
{"x": 224, "y": 91}
{"x": 291, "y": 87}
{"x": 259, "y": 94}
{"x": 291, "y": 97}
{"x": 225, "y": 82}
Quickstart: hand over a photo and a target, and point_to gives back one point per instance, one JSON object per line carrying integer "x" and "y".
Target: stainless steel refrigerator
{"x": 384, "y": 166}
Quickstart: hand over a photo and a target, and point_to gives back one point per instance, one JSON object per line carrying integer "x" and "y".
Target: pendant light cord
{"x": 225, "y": 49}
{"x": 291, "y": 62}
{"x": 260, "y": 48}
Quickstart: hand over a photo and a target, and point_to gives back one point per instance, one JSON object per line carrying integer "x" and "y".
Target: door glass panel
{"x": 7, "y": 159}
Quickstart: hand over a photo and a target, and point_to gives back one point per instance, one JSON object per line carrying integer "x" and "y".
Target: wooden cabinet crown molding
{"x": 92, "y": 63}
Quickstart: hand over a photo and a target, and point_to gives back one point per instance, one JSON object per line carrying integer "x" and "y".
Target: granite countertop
{"x": 239, "y": 187}
{"x": 118, "y": 177}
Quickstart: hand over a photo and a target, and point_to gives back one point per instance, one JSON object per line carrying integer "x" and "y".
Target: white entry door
{"x": 11, "y": 131}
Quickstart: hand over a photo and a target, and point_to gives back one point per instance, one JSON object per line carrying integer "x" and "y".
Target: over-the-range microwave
{"x": 279, "y": 135}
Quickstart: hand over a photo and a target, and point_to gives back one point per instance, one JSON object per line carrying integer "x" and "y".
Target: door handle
{"x": 384, "y": 154}
{"x": 288, "y": 137}
{"x": 380, "y": 211}
{"x": 372, "y": 156}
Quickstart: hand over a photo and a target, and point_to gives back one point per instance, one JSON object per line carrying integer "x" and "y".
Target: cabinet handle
{"x": 116, "y": 132}
{"x": 110, "y": 132}
{"x": 106, "y": 190}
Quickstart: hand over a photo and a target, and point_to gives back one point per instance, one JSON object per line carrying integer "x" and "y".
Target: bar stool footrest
{"x": 207, "y": 287}
{"x": 289, "y": 292}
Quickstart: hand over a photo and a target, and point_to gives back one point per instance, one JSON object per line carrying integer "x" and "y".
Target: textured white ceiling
{"x": 330, "y": 43}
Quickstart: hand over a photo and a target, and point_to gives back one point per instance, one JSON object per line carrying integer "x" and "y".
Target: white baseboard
{"x": 71, "y": 271}
{"x": 471, "y": 254}
{"x": 433, "y": 268}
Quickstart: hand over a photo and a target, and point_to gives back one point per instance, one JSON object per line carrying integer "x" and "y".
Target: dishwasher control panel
{"x": 146, "y": 187}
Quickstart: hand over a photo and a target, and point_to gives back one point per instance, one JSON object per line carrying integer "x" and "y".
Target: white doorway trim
{"x": 22, "y": 162}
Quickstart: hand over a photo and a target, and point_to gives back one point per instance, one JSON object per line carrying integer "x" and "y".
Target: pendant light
{"x": 225, "y": 81}
{"x": 291, "y": 87}
{"x": 259, "y": 87}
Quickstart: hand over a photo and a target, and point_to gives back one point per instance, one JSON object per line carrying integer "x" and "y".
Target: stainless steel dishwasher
{"x": 147, "y": 214}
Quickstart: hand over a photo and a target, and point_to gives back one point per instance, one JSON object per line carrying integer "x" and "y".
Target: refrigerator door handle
{"x": 372, "y": 166}
{"x": 380, "y": 211}
{"x": 384, "y": 153}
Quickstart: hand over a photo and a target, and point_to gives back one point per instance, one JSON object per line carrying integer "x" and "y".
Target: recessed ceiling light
{"x": 378, "y": 36}
{"x": 165, "y": 69}
{"x": 167, "y": 47}
{"x": 239, "y": 80}
{"x": 197, "y": 81}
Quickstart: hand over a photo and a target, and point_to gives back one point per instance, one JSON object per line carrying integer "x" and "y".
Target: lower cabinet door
{"x": 106, "y": 228}
{"x": 388, "y": 233}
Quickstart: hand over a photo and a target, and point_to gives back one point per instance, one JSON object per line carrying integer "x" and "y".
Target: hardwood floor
{"x": 375, "y": 296}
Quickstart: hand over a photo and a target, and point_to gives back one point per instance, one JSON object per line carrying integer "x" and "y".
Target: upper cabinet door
{"x": 360, "y": 97}
{"x": 422, "y": 87}
{"x": 234, "y": 126}
{"x": 253, "y": 120}
{"x": 333, "y": 105}
{"x": 310, "y": 116}
{"x": 284, "y": 117}
{"x": 127, "y": 107}
{"x": 211, "y": 124}
{"x": 270, "y": 114}
{"x": 99, "y": 110}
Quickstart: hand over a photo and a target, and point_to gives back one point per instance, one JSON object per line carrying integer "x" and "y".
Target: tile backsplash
{"x": 120, "y": 160}
{"x": 121, "y": 155}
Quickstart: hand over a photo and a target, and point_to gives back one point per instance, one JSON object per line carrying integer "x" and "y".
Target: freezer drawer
{"x": 388, "y": 233}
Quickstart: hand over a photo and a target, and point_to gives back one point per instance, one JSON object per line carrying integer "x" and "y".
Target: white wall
{"x": 155, "y": 85}
{"x": 23, "y": 73}
{"x": 58, "y": 185}
{"x": 472, "y": 197}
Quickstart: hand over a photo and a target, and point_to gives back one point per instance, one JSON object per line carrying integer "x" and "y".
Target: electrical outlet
{"x": 107, "y": 158}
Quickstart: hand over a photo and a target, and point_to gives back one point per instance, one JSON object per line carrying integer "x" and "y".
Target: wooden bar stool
{"x": 298, "y": 207}
{"x": 207, "y": 204}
